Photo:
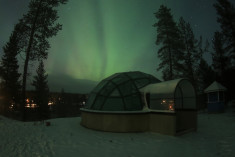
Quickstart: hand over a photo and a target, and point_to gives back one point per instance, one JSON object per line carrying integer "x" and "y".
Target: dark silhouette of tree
{"x": 37, "y": 26}
{"x": 9, "y": 70}
{"x": 226, "y": 18}
{"x": 170, "y": 51}
{"x": 205, "y": 74}
{"x": 220, "y": 61}
{"x": 192, "y": 52}
{"x": 42, "y": 92}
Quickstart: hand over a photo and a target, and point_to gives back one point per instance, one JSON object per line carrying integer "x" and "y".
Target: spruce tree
{"x": 226, "y": 18}
{"x": 37, "y": 26}
{"x": 220, "y": 61}
{"x": 9, "y": 70}
{"x": 42, "y": 92}
{"x": 205, "y": 75}
{"x": 192, "y": 53}
{"x": 170, "y": 47}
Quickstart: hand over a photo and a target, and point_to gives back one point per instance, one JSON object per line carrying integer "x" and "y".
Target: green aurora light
{"x": 102, "y": 37}
{"x": 98, "y": 39}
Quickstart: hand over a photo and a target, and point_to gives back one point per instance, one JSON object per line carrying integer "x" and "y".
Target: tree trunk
{"x": 25, "y": 77}
{"x": 26, "y": 63}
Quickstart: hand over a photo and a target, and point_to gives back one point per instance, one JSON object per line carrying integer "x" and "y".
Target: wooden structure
{"x": 215, "y": 97}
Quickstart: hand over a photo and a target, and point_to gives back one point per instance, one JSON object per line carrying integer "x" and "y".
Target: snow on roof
{"x": 215, "y": 86}
{"x": 165, "y": 87}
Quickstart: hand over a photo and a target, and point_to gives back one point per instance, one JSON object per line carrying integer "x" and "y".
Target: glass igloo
{"x": 120, "y": 92}
{"x": 138, "y": 102}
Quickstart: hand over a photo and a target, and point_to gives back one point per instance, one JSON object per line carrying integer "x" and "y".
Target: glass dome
{"x": 120, "y": 92}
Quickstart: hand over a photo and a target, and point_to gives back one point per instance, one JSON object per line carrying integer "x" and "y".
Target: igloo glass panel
{"x": 120, "y": 79}
{"x": 115, "y": 93}
{"x": 133, "y": 103}
{"x": 135, "y": 75}
{"x": 99, "y": 102}
{"x": 111, "y": 92}
{"x": 126, "y": 88}
{"x": 141, "y": 82}
{"x": 108, "y": 89}
{"x": 113, "y": 104}
{"x": 90, "y": 100}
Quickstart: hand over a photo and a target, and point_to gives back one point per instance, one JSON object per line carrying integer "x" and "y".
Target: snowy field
{"x": 66, "y": 138}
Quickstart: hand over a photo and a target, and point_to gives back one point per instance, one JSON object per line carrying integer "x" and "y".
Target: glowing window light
{"x": 171, "y": 107}
{"x": 27, "y": 100}
{"x": 50, "y": 103}
{"x": 11, "y": 106}
{"x": 33, "y": 105}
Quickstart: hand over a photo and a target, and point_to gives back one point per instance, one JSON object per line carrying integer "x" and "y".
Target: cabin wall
{"x": 115, "y": 122}
{"x": 164, "y": 123}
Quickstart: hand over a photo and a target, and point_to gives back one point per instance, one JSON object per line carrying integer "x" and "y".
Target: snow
{"x": 65, "y": 137}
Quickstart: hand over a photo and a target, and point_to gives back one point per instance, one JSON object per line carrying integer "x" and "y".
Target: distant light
{"x": 50, "y": 103}
{"x": 33, "y": 105}
{"x": 11, "y": 106}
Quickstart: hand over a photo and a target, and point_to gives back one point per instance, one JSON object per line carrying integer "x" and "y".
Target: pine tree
{"x": 42, "y": 91}
{"x": 205, "y": 75}
{"x": 220, "y": 61}
{"x": 37, "y": 26}
{"x": 170, "y": 51}
{"x": 9, "y": 70}
{"x": 226, "y": 18}
{"x": 192, "y": 54}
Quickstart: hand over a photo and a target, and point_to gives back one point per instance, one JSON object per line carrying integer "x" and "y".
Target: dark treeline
{"x": 181, "y": 54}
{"x": 59, "y": 104}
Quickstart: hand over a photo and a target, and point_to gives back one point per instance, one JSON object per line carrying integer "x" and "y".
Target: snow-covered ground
{"x": 67, "y": 138}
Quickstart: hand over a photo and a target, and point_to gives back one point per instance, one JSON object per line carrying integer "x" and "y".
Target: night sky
{"x": 102, "y": 37}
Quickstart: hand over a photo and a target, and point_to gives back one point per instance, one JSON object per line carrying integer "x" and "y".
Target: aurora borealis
{"x": 108, "y": 37}
{"x": 102, "y": 37}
